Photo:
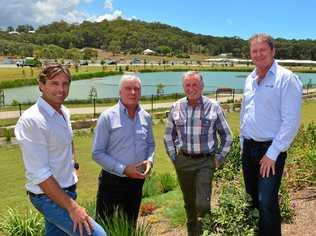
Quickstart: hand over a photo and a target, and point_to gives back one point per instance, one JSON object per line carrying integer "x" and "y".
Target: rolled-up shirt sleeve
{"x": 99, "y": 150}
{"x": 30, "y": 136}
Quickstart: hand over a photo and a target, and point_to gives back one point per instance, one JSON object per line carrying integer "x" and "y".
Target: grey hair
{"x": 193, "y": 73}
{"x": 127, "y": 77}
{"x": 262, "y": 37}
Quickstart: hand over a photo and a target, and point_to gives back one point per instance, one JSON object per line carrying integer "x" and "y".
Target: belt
{"x": 258, "y": 143}
{"x": 71, "y": 188}
{"x": 194, "y": 156}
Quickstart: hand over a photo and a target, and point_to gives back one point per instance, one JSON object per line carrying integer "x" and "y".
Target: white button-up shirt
{"x": 271, "y": 110}
{"x": 45, "y": 138}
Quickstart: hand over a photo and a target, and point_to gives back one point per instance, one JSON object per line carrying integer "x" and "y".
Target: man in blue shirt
{"x": 269, "y": 121}
{"x": 124, "y": 147}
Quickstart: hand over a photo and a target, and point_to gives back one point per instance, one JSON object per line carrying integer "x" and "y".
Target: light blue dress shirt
{"x": 120, "y": 140}
{"x": 271, "y": 110}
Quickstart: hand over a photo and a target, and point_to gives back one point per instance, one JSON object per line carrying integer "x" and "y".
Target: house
{"x": 149, "y": 52}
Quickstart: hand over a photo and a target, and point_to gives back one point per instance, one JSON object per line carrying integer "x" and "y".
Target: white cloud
{"x": 41, "y": 12}
{"x": 108, "y": 4}
{"x": 108, "y": 16}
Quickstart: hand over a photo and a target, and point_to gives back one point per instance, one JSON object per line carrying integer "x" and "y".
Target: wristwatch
{"x": 76, "y": 165}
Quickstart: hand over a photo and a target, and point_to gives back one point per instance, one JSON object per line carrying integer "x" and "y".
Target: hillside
{"x": 134, "y": 36}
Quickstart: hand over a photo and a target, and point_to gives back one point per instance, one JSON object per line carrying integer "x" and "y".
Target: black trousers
{"x": 120, "y": 193}
{"x": 263, "y": 191}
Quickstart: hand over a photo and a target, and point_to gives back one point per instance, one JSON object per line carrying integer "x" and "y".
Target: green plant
{"x": 152, "y": 186}
{"x": 120, "y": 225}
{"x": 29, "y": 224}
{"x": 232, "y": 165}
{"x": 7, "y": 135}
{"x": 176, "y": 214}
{"x": 287, "y": 209}
{"x": 168, "y": 182}
{"x": 234, "y": 216}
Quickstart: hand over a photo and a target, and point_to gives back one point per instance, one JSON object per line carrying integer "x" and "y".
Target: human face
{"x": 55, "y": 90}
{"x": 193, "y": 87}
{"x": 261, "y": 54}
{"x": 130, "y": 93}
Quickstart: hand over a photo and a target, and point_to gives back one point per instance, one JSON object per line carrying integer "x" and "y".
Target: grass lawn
{"x": 12, "y": 177}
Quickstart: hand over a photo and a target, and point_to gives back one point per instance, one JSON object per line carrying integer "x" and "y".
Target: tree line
{"x": 64, "y": 40}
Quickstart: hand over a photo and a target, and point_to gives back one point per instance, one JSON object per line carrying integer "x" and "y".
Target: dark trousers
{"x": 195, "y": 180}
{"x": 263, "y": 191}
{"x": 120, "y": 193}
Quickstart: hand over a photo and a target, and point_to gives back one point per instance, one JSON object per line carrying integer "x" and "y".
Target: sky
{"x": 290, "y": 19}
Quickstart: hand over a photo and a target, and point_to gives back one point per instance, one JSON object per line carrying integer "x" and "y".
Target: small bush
{"x": 234, "y": 215}
{"x": 147, "y": 208}
{"x": 152, "y": 186}
{"x": 287, "y": 209}
{"x": 232, "y": 165}
{"x": 30, "y": 224}
{"x": 120, "y": 225}
{"x": 168, "y": 182}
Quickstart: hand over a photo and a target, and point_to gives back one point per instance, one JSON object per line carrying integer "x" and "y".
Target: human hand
{"x": 81, "y": 220}
{"x": 148, "y": 165}
{"x": 135, "y": 171}
{"x": 217, "y": 163}
{"x": 266, "y": 164}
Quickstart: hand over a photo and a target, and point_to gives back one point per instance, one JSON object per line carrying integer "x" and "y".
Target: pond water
{"x": 107, "y": 87}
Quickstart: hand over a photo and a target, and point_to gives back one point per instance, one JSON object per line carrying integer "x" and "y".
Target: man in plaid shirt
{"x": 191, "y": 141}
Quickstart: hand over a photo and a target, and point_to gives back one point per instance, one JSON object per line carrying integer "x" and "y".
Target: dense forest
{"x": 64, "y": 40}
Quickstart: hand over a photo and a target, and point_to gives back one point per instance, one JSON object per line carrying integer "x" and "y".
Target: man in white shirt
{"x": 269, "y": 121}
{"x": 45, "y": 137}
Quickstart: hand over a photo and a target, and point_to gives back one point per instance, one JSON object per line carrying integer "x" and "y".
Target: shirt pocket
{"x": 206, "y": 124}
{"x": 142, "y": 133}
{"x": 180, "y": 126}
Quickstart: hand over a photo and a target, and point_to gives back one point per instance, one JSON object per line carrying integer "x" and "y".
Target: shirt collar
{"x": 271, "y": 70}
{"x": 200, "y": 101}
{"x": 48, "y": 108}
{"x": 124, "y": 108}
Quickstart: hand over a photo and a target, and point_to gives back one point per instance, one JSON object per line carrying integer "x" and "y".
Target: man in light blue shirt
{"x": 124, "y": 147}
{"x": 269, "y": 121}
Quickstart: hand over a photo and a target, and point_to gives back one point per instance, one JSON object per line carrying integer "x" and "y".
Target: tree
{"x": 10, "y": 28}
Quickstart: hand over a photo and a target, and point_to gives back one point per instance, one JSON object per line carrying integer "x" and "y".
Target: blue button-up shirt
{"x": 271, "y": 110}
{"x": 120, "y": 141}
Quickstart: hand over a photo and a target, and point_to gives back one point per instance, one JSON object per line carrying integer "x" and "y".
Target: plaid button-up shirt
{"x": 194, "y": 130}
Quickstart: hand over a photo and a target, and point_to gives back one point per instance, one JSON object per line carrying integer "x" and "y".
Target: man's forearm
{"x": 52, "y": 189}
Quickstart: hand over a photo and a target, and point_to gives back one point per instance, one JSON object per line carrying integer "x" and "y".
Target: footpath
{"x": 99, "y": 109}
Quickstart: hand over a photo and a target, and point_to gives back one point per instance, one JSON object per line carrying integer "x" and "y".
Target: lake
{"x": 108, "y": 87}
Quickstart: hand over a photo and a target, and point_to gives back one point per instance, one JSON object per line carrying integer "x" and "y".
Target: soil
{"x": 304, "y": 223}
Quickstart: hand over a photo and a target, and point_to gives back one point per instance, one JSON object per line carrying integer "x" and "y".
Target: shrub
{"x": 147, "y": 208}
{"x": 234, "y": 215}
{"x": 232, "y": 165}
{"x": 120, "y": 225}
{"x": 286, "y": 208}
{"x": 152, "y": 186}
{"x": 168, "y": 182}
{"x": 30, "y": 224}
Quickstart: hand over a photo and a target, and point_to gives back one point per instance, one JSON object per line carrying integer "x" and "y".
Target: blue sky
{"x": 280, "y": 18}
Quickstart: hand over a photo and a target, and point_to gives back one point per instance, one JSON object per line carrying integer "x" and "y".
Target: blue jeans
{"x": 263, "y": 191}
{"x": 57, "y": 220}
